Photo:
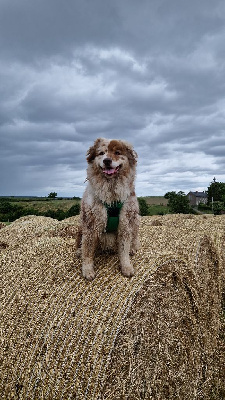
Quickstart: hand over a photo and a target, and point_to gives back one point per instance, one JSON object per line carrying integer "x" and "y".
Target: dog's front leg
{"x": 88, "y": 250}
{"x": 124, "y": 244}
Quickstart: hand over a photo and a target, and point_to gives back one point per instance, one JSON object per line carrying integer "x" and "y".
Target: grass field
{"x": 156, "y": 200}
{"x": 157, "y": 205}
{"x": 158, "y": 209}
{"x": 48, "y": 204}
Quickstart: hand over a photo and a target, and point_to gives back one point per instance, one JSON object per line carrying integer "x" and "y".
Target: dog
{"x": 109, "y": 216}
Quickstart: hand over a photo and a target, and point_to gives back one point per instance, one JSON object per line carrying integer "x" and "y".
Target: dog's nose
{"x": 107, "y": 161}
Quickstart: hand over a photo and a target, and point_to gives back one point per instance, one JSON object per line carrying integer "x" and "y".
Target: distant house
{"x": 197, "y": 197}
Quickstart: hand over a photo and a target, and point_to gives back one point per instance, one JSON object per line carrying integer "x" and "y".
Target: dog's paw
{"x": 88, "y": 272}
{"x": 127, "y": 271}
{"x": 136, "y": 246}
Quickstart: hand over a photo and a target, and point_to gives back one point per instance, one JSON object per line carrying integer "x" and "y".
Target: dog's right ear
{"x": 91, "y": 153}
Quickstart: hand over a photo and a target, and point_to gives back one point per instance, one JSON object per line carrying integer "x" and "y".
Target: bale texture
{"x": 159, "y": 335}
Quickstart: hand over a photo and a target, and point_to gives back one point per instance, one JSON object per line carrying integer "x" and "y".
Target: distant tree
{"x": 178, "y": 202}
{"x": 216, "y": 191}
{"x": 52, "y": 195}
{"x": 169, "y": 195}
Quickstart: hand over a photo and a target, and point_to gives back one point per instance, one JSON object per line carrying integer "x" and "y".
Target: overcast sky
{"x": 148, "y": 71}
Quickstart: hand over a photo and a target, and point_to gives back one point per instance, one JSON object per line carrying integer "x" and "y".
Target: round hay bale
{"x": 167, "y": 346}
{"x": 155, "y": 336}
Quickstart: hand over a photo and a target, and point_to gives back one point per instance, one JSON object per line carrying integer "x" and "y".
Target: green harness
{"x": 113, "y": 213}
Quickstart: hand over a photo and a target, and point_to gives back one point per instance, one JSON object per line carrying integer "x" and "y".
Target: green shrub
{"x": 143, "y": 206}
{"x": 218, "y": 207}
{"x": 9, "y": 212}
{"x": 204, "y": 207}
{"x": 58, "y": 214}
{"x": 74, "y": 210}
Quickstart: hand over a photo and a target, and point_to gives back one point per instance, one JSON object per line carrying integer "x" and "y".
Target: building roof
{"x": 199, "y": 194}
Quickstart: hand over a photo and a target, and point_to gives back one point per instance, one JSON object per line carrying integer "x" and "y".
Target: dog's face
{"x": 111, "y": 158}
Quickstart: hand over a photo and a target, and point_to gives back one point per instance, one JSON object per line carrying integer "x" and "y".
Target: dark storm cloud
{"x": 151, "y": 72}
{"x": 33, "y": 29}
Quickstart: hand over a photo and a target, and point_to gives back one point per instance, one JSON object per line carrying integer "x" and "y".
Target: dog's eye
{"x": 117, "y": 153}
{"x": 101, "y": 153}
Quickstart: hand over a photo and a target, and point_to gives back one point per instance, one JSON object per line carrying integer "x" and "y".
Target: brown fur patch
{"x": 123, "y": 149}
{"x": 116, "y": 145}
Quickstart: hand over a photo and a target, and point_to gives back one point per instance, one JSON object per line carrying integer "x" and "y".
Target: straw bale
{"x": 159, "y": 335}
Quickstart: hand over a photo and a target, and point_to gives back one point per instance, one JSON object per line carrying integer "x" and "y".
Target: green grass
{"x": 158, "y": 209}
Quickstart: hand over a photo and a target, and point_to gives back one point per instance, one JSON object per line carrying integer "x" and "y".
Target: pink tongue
{"x": 109, "y": 171}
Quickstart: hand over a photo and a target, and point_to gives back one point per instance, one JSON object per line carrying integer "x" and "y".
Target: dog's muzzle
{"x": 108, "y": 169}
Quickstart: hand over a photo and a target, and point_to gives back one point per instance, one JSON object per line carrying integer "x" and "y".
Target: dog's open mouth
{"x": 111, "y": 171}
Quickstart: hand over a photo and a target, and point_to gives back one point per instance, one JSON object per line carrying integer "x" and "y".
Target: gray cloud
{"x": 150, "y": 72}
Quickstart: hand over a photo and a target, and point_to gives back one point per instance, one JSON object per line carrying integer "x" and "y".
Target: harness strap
{"x": 113, "y": 213}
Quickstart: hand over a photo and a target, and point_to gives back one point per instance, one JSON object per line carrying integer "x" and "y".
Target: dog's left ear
{"x": 132, "y": 155}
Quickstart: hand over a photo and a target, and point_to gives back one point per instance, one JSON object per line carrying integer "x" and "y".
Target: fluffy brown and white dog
{"x": 109, "y": 216}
